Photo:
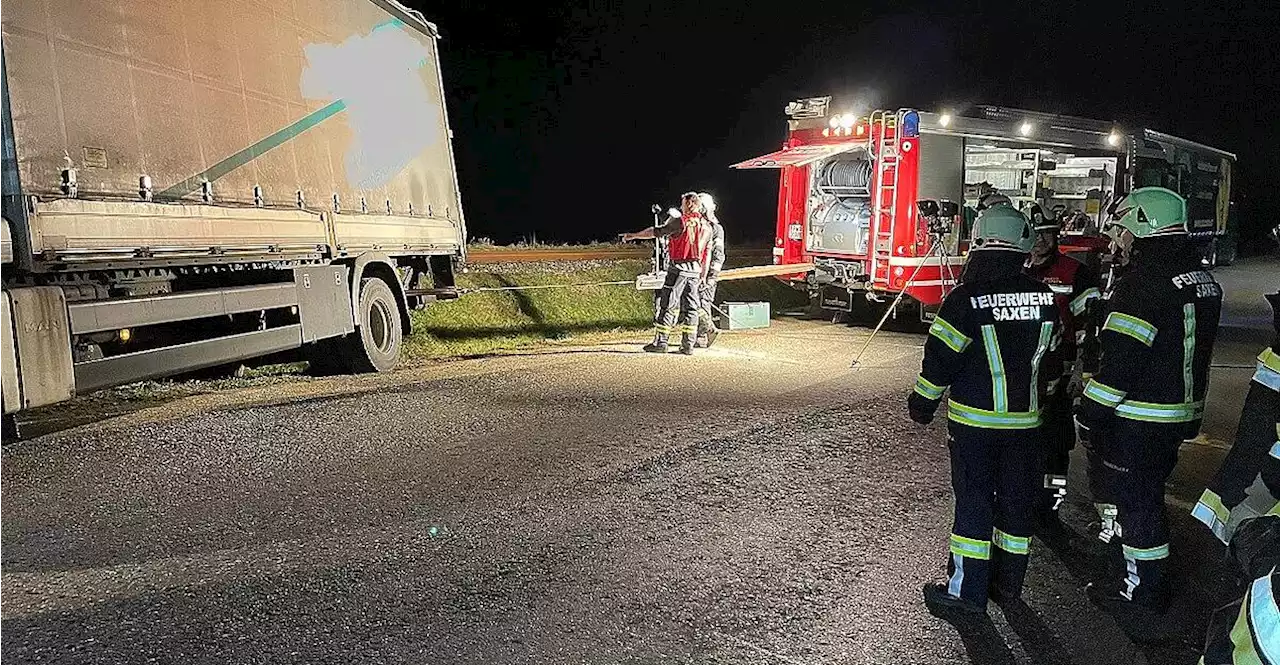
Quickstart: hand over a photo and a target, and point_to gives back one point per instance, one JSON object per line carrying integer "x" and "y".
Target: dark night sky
{"x": 570, "y": 119}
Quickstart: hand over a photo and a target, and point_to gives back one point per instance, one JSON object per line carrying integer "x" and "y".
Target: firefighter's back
{"x": 1011, "y": 323}
{"x": 1173, "y": 307}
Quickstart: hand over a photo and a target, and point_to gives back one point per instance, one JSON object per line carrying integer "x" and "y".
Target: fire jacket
{"x": 716, "y": 258}
{"x": 1249, "y": 635}
{"x": 1157, "y": 337}
{"x": 1075, "y": 289}
{"x": 1233, "y": 495}
{"x": 994, "y": 344}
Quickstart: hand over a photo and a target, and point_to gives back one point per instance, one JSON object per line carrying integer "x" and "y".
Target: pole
{"x": 936, "y": 249}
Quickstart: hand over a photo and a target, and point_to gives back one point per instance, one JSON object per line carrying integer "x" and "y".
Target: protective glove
{"x": 920, "y": 408}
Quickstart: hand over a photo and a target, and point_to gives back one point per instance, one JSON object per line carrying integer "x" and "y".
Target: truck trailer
{"x": 881, "y": 203}
{"x": 190, "y": 185}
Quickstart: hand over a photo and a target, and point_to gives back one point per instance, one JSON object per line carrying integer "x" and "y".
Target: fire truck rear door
{"x": 799, "y": 155}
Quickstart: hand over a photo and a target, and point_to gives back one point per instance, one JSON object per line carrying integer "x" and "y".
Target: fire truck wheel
{"x": 375, "y": 346}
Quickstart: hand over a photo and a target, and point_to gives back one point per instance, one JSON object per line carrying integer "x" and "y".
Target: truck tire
{"x": 375, "y": 345}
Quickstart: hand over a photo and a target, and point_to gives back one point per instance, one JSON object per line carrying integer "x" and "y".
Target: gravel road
{"x": 759, "y": 503}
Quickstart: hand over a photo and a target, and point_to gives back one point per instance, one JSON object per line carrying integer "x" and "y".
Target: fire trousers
{"x": 680, "y": 297}
{"x": 1129, "y": 463}
{"x": 708, "y": 298}
{"x": 1058, "y": 433}
{"x": 995, "y": 474}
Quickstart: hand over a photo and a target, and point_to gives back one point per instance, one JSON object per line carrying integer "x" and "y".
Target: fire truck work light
{"x": 847, "y": 120}
{"x": 834, "y": 121}
{"x": 944, "y": 120}
{"x": 1113, "y": 139}
{"x": 1025, "y": 128}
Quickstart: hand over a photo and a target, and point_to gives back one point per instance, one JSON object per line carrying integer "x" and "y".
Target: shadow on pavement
{"x": 982, "y": 642}
{"x": 1038, "y": 639}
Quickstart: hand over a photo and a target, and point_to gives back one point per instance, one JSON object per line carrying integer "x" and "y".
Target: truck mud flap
{"x": 835, "y": 298}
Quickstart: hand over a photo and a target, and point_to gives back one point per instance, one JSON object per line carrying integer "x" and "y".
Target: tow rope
{"x": 482, "y": 289}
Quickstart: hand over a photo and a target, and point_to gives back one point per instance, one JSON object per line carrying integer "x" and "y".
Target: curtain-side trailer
{"x": 188, "y": 185}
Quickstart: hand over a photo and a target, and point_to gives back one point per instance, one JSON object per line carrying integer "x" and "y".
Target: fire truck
{"x": 881, "y": 204}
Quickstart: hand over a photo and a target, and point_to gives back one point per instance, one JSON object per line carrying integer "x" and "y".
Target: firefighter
{"x": 993, "y": 343}
{"x": 1075, "y": 289}
{"x": 1241, "y": 507}
{"x": 1235, "y": 494}
{"x": 707, "y": 331}
{"x": 1247, "y": 632}
{"x": 688, "y": 239}
{"x": 1148, "y": 393}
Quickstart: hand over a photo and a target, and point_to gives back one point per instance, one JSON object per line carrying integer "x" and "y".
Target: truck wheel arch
{"x": 375, "y": 264}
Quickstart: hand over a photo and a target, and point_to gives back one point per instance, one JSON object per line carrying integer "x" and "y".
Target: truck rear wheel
{"x": 375, "y": 346}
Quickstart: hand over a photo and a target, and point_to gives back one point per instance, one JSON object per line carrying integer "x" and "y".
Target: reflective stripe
{"x": 1103, "y": 393}
{"x": 1082, "y": 301}
{"x": 1046, "y": 333}
{"x": 975, "y": 417}
{"x": 1146, "y": 553}
{"x": 1243, "y": 651}
{"x": 995, "y": 362}
{"x": 1210, "y": 511}
{"x": 957, "y": 576}
{"x": 1152, "y": 412}
{"x": 946, "y": 332}
{"x": 1188, "y": 351}
{"x": 970, "y": 547}
{"x": 1010, "y": 544}
{"x": 688, "y": 329}
{"x": 665, "y": 330}
{"x": 1264, "y": 619}
{"x": 1132, "y": 326}
{"x": 1133, "y": 580}
{"x": 928, "y": 389}
{"x": 1052, "y": 480}
{"x": 1270, "y": 359}
{"x": 1268, "y": 373}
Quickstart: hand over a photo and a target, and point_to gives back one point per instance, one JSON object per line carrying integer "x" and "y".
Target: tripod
{"x": 939, "y": 249}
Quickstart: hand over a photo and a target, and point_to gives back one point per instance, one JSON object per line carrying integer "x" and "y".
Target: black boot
{"x": 658, "y": 345}
{"x": 940, "y": 602}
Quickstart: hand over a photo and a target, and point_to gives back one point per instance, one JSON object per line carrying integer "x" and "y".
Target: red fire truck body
{"x": 850, "y": 189}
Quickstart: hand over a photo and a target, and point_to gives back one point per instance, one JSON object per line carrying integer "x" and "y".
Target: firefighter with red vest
{"x": 993, "y": 345}
{"x": 688, "y": 241}
{"x": 1075, "y": 290}
{"x": 1147, "y": 396}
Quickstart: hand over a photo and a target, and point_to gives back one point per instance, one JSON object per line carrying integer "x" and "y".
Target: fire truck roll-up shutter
{"x": 799, "y": 155}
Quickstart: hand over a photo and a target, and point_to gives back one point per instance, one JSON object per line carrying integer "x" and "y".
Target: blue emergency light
{"x": 911, "y": 124}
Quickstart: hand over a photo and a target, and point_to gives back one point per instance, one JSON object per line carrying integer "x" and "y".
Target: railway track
{"x": 482, "y": 256}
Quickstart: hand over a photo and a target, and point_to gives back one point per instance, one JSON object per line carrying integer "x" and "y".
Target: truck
{"x": 881, "y": 202}
{"x": 188, "y": 186}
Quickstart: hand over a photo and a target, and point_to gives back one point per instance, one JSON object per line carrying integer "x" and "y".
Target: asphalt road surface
{"x": 761, "y": 502}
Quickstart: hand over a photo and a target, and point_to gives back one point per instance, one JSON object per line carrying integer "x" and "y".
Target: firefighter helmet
{"x": 1003, "y": 227}
{"x": 707, "y": 201}
{"x": 1150, "y": 211}
{"x": 709, "y": 204}
{"x": 1041, "y": 222}
{"x": 993, "y": 199}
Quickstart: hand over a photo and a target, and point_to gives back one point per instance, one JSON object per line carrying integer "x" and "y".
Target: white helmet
{"x": 707, "y": 202}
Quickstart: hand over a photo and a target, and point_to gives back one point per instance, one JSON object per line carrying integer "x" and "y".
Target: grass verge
{"x": 489, "y": 321}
